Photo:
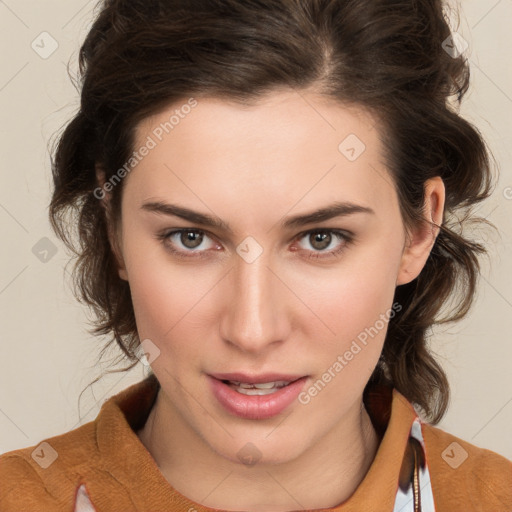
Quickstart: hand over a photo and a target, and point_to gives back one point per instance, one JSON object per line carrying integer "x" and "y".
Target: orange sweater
{"x": 119, "y": 475}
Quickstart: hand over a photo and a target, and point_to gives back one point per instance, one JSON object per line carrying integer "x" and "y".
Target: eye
{"x": 189, "y": 243}
{"x": 323, "y": 239}
{"x": 189, "y": 239}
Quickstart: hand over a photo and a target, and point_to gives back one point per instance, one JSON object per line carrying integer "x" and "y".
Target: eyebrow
{"x": 337, "y": 209}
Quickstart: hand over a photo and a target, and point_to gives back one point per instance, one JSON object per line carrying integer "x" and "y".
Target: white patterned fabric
{"x": 405, "y": 500}
{"x": 82, "y": 501}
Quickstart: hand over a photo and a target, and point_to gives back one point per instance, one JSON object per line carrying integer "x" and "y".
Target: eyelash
{"x": 342, "y": 235}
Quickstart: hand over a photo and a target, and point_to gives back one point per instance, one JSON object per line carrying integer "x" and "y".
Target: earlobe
{"x": 419, "y": 241}
{"x": 115, "y": 245}
{"x": 100, "y": 193}
{"x": 112, "y": 235}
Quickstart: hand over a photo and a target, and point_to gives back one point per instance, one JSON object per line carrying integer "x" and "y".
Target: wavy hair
{"x": 387, "y": 56}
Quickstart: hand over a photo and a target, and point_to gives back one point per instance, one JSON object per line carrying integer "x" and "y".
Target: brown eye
{"x": 325, "y": 243}
{"x": 187, "y": 243}
{"x": 191, "y": 239}
{"x": 320, "y": 240}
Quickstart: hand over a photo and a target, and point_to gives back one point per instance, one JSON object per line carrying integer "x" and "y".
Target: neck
{"x": 324, "y": 476}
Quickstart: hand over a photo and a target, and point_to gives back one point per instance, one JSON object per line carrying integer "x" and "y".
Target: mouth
{"x": 260, "y": 389}
{"x": 247, "y": 398}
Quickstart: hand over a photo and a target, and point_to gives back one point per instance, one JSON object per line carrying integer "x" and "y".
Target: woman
{"x": 266, "y": 195}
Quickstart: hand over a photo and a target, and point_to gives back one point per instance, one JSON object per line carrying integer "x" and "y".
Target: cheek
{"x": 357, "y": 308}
{"x": 356, "y": 303}
{"x": 171, "y": 302}
{"x": 160, "y": 298}
{"x": 355, "y": 316}
{"x": 352, "y": 299}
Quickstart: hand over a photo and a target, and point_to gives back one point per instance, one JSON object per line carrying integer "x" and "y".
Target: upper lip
{"x": 255, "y": 379}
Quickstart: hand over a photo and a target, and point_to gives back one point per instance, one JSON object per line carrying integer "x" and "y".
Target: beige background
{"x": 48, "y": 357}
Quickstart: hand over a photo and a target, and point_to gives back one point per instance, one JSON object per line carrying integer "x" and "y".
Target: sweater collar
{"x": 132, "y": 465}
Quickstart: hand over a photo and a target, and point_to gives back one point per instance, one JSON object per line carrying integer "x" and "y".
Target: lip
{"x": 256, "y": 407}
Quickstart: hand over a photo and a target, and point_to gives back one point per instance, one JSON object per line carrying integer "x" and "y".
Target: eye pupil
{"x": 191, "y": 236}
{"x": 321, "y": 237}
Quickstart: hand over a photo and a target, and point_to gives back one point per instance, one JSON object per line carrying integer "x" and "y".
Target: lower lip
{"x": 256, "y": 407}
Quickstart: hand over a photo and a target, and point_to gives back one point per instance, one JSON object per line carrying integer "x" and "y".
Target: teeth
{"x": 264, "y": 388}
{"x": 262, "y": 385}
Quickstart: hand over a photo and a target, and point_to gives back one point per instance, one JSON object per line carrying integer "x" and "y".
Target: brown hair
{"x": 384, "y": 55}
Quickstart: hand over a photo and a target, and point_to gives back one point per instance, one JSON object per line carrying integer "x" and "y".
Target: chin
{"x": 253, "y": 451}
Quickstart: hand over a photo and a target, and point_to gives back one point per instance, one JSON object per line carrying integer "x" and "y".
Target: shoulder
{"x": 104, "y": 455}
{"x": 45, "y": 476}
{"x": 464, "y": 476}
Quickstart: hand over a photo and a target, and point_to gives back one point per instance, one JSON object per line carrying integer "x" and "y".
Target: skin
{"x": 252, "y": 167}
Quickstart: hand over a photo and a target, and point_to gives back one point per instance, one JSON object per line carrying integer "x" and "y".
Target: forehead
{"x": 278, "y": 119}
{"x": 287, "y": 147}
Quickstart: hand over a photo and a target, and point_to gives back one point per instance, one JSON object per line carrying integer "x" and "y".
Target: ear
{"x": 104, "y": 198}
{"x": 420, "y": 241}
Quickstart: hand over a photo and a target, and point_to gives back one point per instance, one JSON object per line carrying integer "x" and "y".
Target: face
{"x": 269, "y": 288}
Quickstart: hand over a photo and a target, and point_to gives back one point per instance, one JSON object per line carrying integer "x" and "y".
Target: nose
{"x": 255, "y": 313}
